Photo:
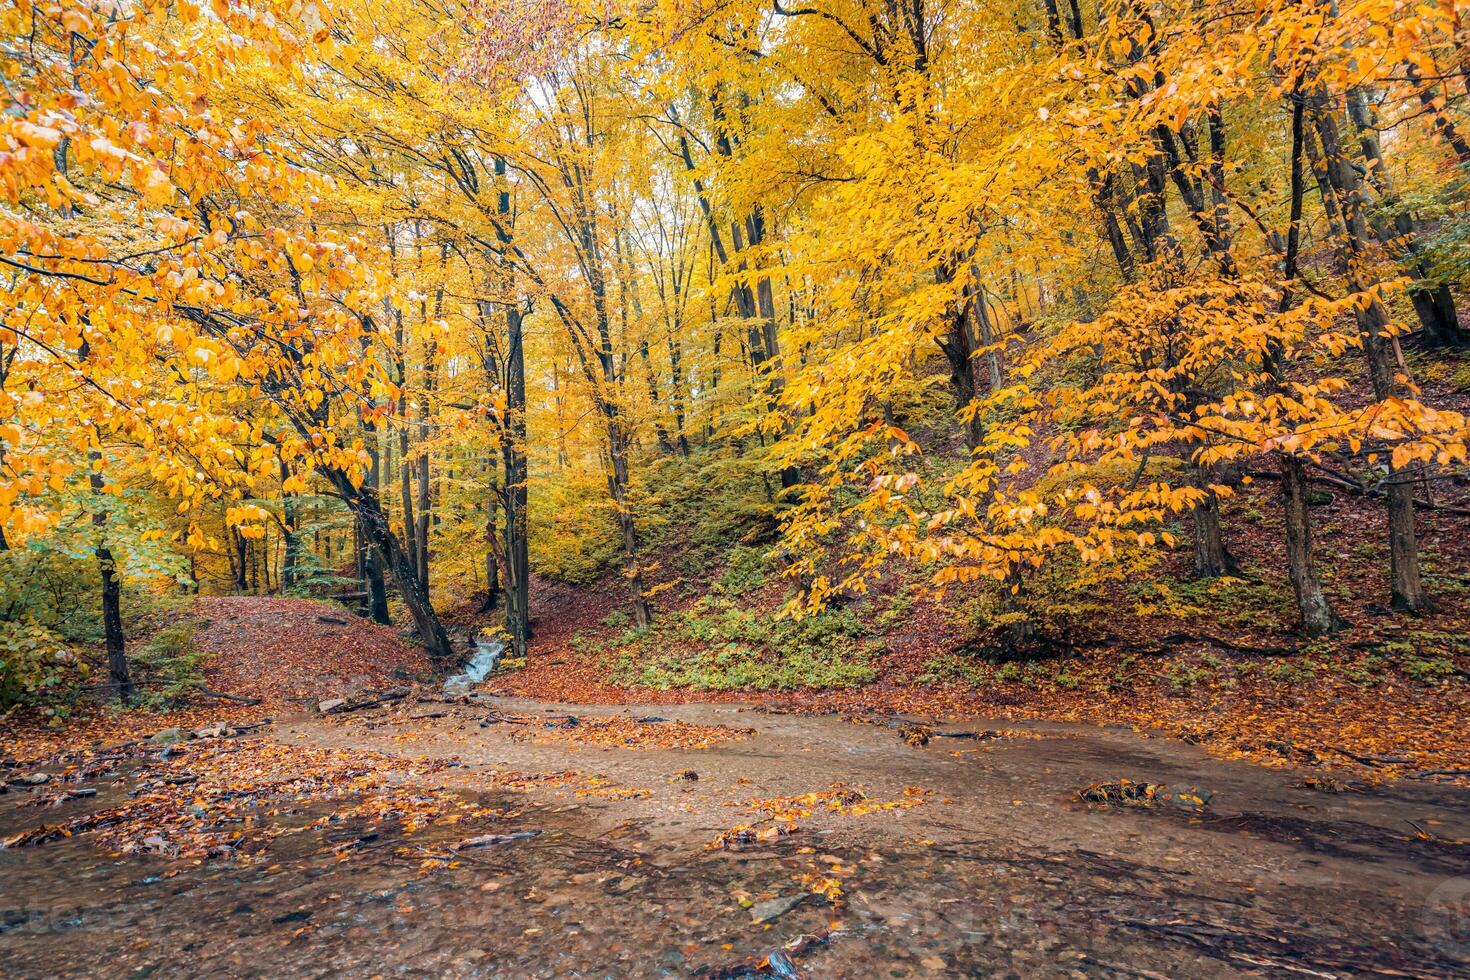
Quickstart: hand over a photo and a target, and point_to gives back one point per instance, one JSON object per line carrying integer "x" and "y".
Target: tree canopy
{"x": 441, "y": 295}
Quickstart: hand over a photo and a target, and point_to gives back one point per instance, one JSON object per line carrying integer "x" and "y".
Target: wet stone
{"x": 773, "y": 908}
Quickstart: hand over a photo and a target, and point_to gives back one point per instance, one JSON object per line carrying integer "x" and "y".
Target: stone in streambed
{"x": 773, "y": 908}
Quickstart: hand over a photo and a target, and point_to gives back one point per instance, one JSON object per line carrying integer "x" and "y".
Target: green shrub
{"x": 745, "y": 571}
{"x": 717, "y": 646}
{"x": 170, "y": 664}
{"x": 37, "y": 667}
{"x": 1429, "y": 669}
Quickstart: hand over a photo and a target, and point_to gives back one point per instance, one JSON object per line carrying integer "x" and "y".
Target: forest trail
{"x": 968, "y": 854}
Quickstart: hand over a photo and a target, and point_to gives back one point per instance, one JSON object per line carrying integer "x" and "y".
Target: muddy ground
{"x": 963, "y": 856}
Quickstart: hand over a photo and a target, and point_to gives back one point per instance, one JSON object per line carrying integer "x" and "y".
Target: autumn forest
{"x": 1056, "y": 399}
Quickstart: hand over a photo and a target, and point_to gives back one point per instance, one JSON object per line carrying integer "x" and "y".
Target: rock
{"x": 170, "y": 736}
{"x": 330, "y": 705}
{"x": 37, "y": 778}
{"x": 1317, "y": 497}
{"x": 490, "y": 840}
{"x": 773, "y": 908}
{"x": 218, "y": 730}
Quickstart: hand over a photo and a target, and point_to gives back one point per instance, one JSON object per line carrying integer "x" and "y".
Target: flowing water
{"x": 480, "y": 666}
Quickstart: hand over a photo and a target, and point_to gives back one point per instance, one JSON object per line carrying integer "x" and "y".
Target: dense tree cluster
{"x": 435, "y": 294}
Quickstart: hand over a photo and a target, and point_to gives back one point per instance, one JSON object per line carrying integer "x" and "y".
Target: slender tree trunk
{"x": 985, "y": 331}
{"x": 676, "y": 387}
{"x": 405, "y": 487}
{"x": 492, "y": 550}
{"x": 1316, "y": 611}
{"x": 617, "y": 486}
{"x": 291, "y": 559}
{"x": 1408, "y": 591}
{"x": 384, "y": 545}
{"x": 119, "y": 675}
{"x": 372, "y": 556}
{"x": 1433, "y": 303}
{"x": 513, "y": 456}
{"x": 425, "y": 507}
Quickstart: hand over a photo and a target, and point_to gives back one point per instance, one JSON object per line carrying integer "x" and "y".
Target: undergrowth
{"x": 717, "y": 646}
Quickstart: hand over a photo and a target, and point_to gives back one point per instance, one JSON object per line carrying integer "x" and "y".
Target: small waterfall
{"x": 477, "y": 668}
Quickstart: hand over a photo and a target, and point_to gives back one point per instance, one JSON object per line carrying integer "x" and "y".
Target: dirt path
{"x": 963, "y": 856}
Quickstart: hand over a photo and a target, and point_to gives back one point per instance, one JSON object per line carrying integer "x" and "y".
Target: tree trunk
{"x": 425, "y": 508}
{"x": 1318, "y": 616}
{"x": 959, "y": 349}
{"x": 291, "y": 559}
{"x": 1407, "y": 585}
{"x": 384, "y": 548}
{"x": 492, "y": 557}
{"x": 1433, "y": 303}
{"x": 513, "y": 449}
{"x": 1211, "y": 558}
{"x": 372, "y": 558}
{"x": 119, "y": 675}
{"x": 405, "y": 487}
{"x": 517, "y": 544}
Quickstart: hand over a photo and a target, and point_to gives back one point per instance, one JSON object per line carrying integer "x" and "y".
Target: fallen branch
{"x": 1370, "y": 760}
{"x": 1174, "y": 639}
{"x": 338, "y": 706}
{"x": 206, "y": 692}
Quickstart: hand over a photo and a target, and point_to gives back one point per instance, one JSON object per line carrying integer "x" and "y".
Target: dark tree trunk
{"x": 1318, "y": 616}
{"x": 1435, "y": 307}
{"x": 492, "y": 552}
{"x": 119, "y": 676}
{"x": 517, "y": 545}
{"x": 1211, "y": 558}
{"x": 1433, "y": 303}
{"x": 405, "y": 487}
{"x": 1408, "y": 591}
{"x": 372, "y": 556}
{"x": 959, "y": 348}
{"x": 383, "y": 549}
{"x": 291, "y": 560}
{"x": 425, "y": 508}
{"x": 513, "y": 454}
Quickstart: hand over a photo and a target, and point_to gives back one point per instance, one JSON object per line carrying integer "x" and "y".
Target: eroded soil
{"x": 967, "y": 855}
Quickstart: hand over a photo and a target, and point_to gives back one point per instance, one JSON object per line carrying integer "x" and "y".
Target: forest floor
{"x": 495, "y": 836}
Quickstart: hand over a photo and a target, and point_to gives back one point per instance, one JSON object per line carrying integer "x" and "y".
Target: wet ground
{"x": 962, "y": 856}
